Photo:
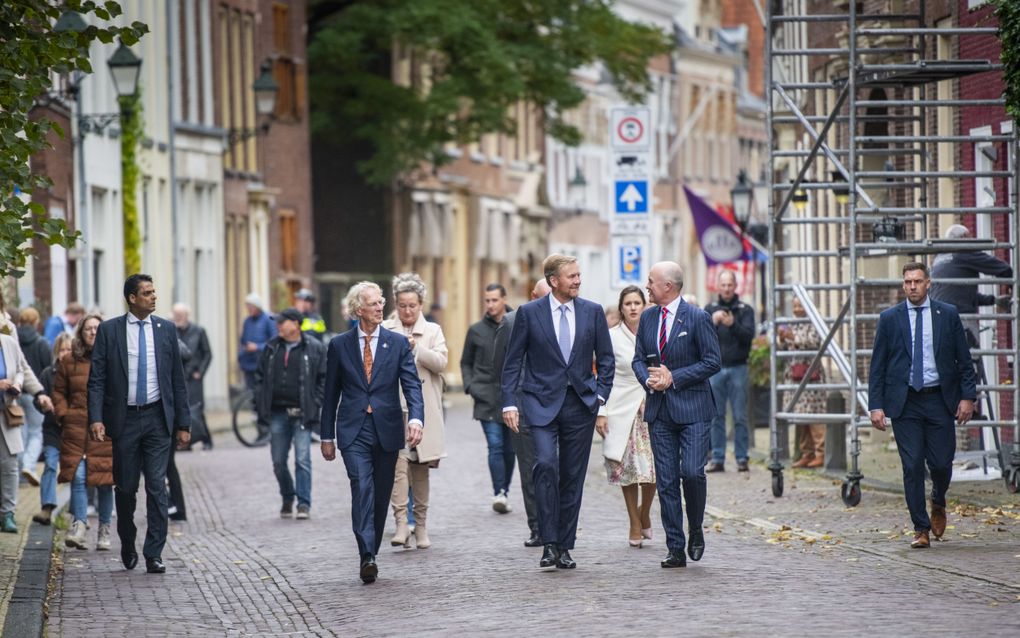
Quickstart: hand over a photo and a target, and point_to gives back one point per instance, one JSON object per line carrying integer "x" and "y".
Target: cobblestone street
{"x": 795, "y": 565}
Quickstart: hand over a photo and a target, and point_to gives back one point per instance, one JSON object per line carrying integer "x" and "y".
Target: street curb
{"x": 25, "y": 615}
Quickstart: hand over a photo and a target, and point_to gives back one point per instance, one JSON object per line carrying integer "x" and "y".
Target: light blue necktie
{"x": 564, "y": 334}
{"x": 140, "y": 393}
{"x": 917, "y": 370}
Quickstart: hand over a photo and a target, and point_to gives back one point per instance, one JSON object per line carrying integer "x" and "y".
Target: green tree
{"x": 481, "y": 58}
{"x": 30, "y": 50}
{"x": 132, "y": 131}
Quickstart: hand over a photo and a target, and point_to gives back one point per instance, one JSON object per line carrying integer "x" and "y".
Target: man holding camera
{"x": 734, "y": 325}
{"x": 288, "y": 396}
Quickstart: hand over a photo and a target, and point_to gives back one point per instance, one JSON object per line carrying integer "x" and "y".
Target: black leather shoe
{"x": 534, "y": 541}
{"x": 715, "y": 467}
{"x": 565, "y": 561}
{"x": 155, "y": 566}
{"x": 742, "y": 466}
{"x": 369, "y": 570}
{"x": 129, "y": 557}
{"x": 695, "y": 544}
{"x": 550, "y": 555}
{"x": 674, "y": 559}
{"x": 178, "y": 516}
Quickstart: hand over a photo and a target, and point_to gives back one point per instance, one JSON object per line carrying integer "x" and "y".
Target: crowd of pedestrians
{"x": 105, "y": 402}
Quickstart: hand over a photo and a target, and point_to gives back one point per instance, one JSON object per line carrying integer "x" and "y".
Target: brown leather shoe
{"x": 818, "y": 461}
{"x": 938, "y": 520}
{"x": 802, "y": 461}
{"x": 921, "y": 540}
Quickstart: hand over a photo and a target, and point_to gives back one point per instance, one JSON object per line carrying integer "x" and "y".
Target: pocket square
{"x": 682, "y": 334}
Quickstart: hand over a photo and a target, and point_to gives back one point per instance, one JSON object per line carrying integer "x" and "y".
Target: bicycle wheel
{"x": 246, "y": 426}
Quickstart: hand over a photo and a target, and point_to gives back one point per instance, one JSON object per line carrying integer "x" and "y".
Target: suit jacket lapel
{"x": 579, "y": 318}
{"x": 354, "y": 350}
{"x": 905, "y": 329}
{"x": 120, "y": 334}
{"x": 382, "y": 350}
{"x": 545, "y": 320}
{"x": 936, "y": 326}
{"x": 678, "y": 321}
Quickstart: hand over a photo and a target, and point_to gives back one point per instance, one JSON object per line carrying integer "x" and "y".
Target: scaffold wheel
{"x": 1013, "y": 481}
{"x": 777, "y": 483}
{"x": 850, "y": 493}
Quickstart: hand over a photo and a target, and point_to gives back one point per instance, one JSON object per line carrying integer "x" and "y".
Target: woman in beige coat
{"x": 429, "y": 347}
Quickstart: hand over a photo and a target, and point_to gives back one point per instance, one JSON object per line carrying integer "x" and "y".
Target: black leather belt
{"x": 147, "y": 406}
{"x": 931, "y": 389}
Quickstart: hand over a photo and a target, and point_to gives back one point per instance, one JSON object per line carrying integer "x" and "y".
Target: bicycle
{"x": 247, "y": 429}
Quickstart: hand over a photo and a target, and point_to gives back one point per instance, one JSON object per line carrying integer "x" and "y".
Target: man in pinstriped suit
{"x": 680, "y": 406}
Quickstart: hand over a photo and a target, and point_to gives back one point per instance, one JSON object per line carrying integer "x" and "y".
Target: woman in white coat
{"x": 429, "y": 348}
{"x": 626, "y": 446}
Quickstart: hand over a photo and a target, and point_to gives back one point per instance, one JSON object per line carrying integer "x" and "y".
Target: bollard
{"x": 835, "y": 435}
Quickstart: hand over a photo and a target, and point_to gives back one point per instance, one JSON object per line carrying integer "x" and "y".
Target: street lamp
{"x": 575, "y": 189}
{"x": 265, "y": 89}
{"x": 125, "y": 67}
{"x": 741, "y": 196}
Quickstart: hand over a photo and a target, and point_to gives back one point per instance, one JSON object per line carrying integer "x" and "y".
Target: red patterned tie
{"x": 662, "y": 331}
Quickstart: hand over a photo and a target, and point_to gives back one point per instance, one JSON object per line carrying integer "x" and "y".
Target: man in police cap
{"x": 312, "y": 323}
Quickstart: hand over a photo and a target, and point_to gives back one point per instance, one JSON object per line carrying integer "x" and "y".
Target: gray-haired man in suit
{"x": 680, "y": 406}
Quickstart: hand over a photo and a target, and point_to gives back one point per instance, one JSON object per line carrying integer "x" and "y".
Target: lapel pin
{"x": 386, "y": 345}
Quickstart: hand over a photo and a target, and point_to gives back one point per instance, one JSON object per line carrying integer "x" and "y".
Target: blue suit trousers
{"x": 680, "y": 450}
{"x": 925, "y": 432}
{"x": 371, "y": 471}
{"x": 562, "y": 449}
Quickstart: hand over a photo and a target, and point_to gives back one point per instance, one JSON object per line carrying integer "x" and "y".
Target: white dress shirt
{"x": 930, "y": 370}
{"x": 554, "y": 304}
{"x": 671, "y": 309}
{"x": 151, "y": 378}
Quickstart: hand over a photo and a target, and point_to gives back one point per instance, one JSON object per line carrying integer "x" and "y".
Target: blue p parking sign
{"x": 630, "y": 264}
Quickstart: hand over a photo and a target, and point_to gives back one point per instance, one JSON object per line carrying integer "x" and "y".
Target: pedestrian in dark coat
{"x": 194, "y": 337}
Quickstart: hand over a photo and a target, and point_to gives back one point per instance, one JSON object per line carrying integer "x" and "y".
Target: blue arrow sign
{"x": 631, "y": 197}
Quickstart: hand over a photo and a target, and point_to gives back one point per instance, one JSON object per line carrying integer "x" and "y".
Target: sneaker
{"x": 31, "y": 477}
{"x": 500, "y": 504}
{"x": 76, "y": 538}
{"x": 103, "y": 541}
{"x": 7, "y": 524}
{"x": 302, "y": 512}
{"x": 287, "y": 510}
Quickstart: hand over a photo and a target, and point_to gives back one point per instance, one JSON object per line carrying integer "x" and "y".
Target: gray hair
{"x": 181, "y": 307}
{"x": 354, "y": 295}
{"x": 957, "y": 231}
{"x": 409, "y": 282}
{"x": 674, "y": 273}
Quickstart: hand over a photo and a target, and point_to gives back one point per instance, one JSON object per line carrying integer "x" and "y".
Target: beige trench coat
{"x": 430, "y": 357}
{"x": 22, "y": 376}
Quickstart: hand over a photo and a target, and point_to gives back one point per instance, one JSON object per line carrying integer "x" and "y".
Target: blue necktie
{"x": 917, "y": 370}
{"x": 564, "y": 334}
{"x": 140, "y": 393}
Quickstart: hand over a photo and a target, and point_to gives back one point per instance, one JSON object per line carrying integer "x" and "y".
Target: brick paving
{"x": 795, "y": 565}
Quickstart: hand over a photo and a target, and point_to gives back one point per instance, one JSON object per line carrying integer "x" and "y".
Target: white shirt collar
{"x": 924, "y": 304}
{"x": 362, "y": 334}
{"x": 133, "y": 319}
{"x": 673, "y": 306}
{"x": 555, "y": 304}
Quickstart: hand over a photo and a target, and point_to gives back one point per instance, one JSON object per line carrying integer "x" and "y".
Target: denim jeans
{"x": 730, "y": 385}
{"x": 501, "y": 455}
{"x": 31, "y": 434}
{"x": 80, "y": 499}
{"x": 282, "y": 431}
{"x": 48, "y": 482}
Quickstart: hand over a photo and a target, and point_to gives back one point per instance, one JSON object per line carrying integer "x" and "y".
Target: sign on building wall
{"x": 631, "y": 193}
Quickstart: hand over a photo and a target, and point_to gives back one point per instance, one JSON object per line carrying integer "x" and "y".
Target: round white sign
{"x": 720, "y": 244}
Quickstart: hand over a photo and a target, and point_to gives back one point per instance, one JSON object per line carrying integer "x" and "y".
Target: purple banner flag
{"x": 720, "y": 239}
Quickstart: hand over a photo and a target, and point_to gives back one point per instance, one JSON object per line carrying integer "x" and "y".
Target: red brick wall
{"x": 735, "y": 13}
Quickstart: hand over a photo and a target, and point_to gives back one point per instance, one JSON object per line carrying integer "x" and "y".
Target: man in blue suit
{"x": 680, "y": 407}
{"x": 922, "y": 379}
{"x": 553, "y": 343}
{"x": 365, "y": 370}
{"x": 137, "y": 396}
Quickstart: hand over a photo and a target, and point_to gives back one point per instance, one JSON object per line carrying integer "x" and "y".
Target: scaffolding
{"x": 871, "y": 138}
